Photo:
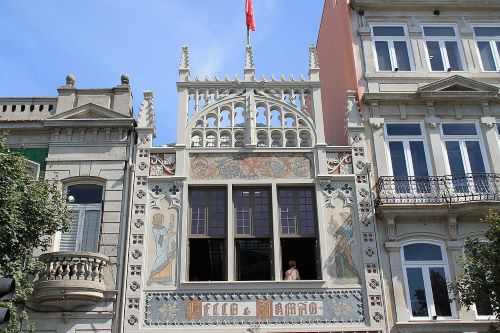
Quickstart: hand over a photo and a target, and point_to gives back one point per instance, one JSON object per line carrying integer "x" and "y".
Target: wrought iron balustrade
{"x": 439, "y": 189}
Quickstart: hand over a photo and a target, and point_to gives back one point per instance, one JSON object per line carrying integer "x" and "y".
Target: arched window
{"x": 85, "y": 205}
{"x": 426, "y": 275}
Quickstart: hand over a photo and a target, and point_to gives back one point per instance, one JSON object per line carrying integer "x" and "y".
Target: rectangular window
{"x": 465, "y": 157}
{"x": 253, "y": 232}
{"x": 85, "y": 206}
{"x": 488, "y": 47}
{"x": 298, "y": 227}
{"x": 443, "y": 50}
{"x": 391, "y": 48}
{"x": 408, "y": 158}
{"x": 207, "y": 235}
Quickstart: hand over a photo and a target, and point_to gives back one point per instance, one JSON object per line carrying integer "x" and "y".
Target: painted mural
{"x": 341, "y": 263}
{"x": 251, "y": 166}
{"x": 162, "y": 244}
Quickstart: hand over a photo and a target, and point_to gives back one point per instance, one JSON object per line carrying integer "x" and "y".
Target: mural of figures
{"x": 341, "y": 263}
{"x": 164, "y": 237}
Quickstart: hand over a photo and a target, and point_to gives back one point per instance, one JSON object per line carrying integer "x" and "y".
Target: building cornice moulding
{"x": 455, "y": 5}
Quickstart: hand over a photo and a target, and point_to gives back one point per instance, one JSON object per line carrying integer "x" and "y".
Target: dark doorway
{"x": 304, "y": 251}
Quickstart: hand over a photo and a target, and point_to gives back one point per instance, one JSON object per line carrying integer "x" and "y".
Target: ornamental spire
{"x": 249, "y": 64}
{"x": 313, "y": 63}
{"x": 184, "y": 64}
{"x": 146, "y": 113}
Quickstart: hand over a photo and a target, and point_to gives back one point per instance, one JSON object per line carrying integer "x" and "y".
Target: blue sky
{"x": 98, "y": 40}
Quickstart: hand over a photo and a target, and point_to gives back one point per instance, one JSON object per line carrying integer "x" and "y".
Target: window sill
{"x": 253, "y": 285}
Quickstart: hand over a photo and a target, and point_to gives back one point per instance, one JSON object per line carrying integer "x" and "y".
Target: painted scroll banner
{"x": 163, "y": 309}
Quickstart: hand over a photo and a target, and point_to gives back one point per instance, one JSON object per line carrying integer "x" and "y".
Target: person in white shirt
{"x": 292, "y": 273}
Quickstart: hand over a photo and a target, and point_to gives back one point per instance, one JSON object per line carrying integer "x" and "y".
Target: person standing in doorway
{"x": 292, "y": 273}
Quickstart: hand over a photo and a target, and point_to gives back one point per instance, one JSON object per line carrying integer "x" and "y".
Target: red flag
{"x": 249, "y": 14}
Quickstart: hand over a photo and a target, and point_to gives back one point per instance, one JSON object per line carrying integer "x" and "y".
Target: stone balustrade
{"x": 71, "y": 279}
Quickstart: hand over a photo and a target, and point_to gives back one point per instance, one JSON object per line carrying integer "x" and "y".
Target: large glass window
{"x": 207, "y": 235}
{"x": 465, "y": 157}
{"x": 408, "y": 157}
{"x": 298, "y": 226}
{"x": 253, "y": 232}
{"x": 443, "y": 48}
{"x": 85, "y": 205}
{"x": 488, "y": 47}
{"x": 426, "y": 275}
{"x": 392, "y": 48}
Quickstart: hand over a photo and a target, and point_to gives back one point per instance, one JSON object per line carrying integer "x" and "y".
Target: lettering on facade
{"x": 263, "y": 309}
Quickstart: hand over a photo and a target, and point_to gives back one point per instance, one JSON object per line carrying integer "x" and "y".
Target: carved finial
{"x": 216, "y": 77}
{"x": 282, "y": 78}
{"x": 125, "y": 79}
{"x": 273, "y": 78}
{"x": 292, "y": 78}
{"x": 146, "y": 113}
{"x": 236, "y": 79}
{"x": 70, "y": 80}
{"x": 352, "y": 110}
{"x": 207, "y": 78}
{"x": 301, "y": 77}
{"x": 226, "y": 77}
{"x": 263, "y": 78}
{"x": 184, "y": 57}
{"x": 197, "y": 77}
{"x": 249, "y": 64}
{"x": 313, "y": 58}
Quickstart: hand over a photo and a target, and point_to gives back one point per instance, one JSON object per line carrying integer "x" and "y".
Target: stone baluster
{"x": 196, "y": 100}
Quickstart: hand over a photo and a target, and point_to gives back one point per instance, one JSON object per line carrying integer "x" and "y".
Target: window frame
{"x": 424, "y": 265}
{"x": 252, "y": 234}
{"x": 190, "y": 215}
{"x": 390, "y": 44}
{"x": 463, "y": 149}
{"x": 406, "y": 139}
{"x": 297, "y": 209}
{"x": 442, "y": 48}
{"x": 494, "y": 48}
{"x": 82, "y": 208}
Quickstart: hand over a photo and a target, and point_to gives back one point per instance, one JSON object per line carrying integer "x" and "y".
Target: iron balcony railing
{"x": 439, "y": 189}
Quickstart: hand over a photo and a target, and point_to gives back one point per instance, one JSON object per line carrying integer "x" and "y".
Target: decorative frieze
{"x": 162, "y": 164}
{"x": 243, "y": 308}
{"x": 339, "y": 163}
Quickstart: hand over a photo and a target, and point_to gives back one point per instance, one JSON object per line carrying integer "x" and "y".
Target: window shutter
{"x": 90, "y": 234}
{"x": 68, "y": 239}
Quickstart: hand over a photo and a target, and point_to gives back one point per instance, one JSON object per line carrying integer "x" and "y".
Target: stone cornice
{"x": 476, "y": 5}
{"x": 104, "y": 122}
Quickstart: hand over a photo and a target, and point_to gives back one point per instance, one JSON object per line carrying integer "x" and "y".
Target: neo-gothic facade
{"x": 426, "y": 78}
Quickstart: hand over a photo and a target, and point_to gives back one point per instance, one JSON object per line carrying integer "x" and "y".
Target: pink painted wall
{"x": 338, "y": 71}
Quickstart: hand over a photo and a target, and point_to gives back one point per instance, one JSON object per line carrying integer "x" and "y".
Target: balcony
{"x": 71, "y": 279}
{"x": 447, "y": 190}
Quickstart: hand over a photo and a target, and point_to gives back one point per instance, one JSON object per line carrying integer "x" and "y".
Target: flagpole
{"x": 248, "y": 36}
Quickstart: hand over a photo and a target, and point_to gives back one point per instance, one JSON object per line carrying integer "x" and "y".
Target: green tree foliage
{"x": 479, "y": 282}
{"x": 30, "y": 211}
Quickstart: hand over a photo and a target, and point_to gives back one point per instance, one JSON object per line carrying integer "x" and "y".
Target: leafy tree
{"x": 30, "y": 209}
{"x": 479, "y": 282}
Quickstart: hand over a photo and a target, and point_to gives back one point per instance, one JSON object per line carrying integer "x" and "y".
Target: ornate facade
{"x": 425, "y": 74}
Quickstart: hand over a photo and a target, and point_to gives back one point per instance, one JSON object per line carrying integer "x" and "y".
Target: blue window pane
{"x": 453, "y": 56}
{"x": 398, "y": 159}
{"x": 402, "y": 56}
{"x": 418, "y": 159}
{"x": 383, "y": 57}
{"x": 403, "y": 129}
{"x": 439, "y": 31}
{"x": 455, "y": 158}
{"x": 486, "y": 55}
{"x": 422, "y": 252}
{"x": 416, "y": 290}
{"x": 487, "y": 31}
{"x": 459, "y": 129}
{"x": 475, "y": 156}
{"x": 388, "y": 31}
{"x": 85, "y": 193}
{"x": 498, "y": 128}
{"x": 435, "y": 56}
{"x": 440, "y": 292}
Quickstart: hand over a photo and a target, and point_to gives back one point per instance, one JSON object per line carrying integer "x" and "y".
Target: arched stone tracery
{"x": 218, "y": 119}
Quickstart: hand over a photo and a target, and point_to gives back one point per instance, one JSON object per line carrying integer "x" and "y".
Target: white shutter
{"x": 68, "y": 239}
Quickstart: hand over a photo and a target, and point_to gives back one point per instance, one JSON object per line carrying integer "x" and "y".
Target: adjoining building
{"x": 84, "y": 140}
{"x": 426, "y": 74}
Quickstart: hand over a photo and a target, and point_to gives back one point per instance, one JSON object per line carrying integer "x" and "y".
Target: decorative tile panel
{"x": 162, "y": 164}
{"x": 240, "y": 308}
{"x": 251, "y": 166}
